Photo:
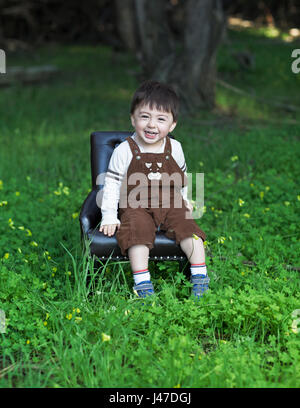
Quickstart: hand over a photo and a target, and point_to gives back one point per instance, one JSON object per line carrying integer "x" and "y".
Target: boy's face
{"x": 152, "y": 125}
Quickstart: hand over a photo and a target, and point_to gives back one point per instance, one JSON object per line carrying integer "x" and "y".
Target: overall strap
{"x": 133, "y": 146}
{"x": 168, "y": 146}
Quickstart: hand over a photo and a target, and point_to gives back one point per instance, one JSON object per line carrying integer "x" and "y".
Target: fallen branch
{"x": 28, "y": 75}
{"x": 289, "y": 108}
{"x": 252, "y": 263}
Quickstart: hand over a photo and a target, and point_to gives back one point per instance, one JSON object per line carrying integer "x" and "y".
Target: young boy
{"x": 153, "y": 158}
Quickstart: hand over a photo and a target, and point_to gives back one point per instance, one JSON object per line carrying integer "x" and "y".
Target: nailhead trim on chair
{"x": 154, "y": 258}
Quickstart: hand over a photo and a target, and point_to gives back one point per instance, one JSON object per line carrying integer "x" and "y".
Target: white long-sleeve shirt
{"x": 117, "y": 168}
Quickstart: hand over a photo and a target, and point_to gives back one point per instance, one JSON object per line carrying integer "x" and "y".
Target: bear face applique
{"x": 154, "y": 170}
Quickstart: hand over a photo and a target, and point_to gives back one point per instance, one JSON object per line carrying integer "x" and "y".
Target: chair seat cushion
{"x": 103, "y": 247}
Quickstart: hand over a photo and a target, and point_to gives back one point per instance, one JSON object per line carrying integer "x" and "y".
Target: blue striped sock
{"x": 141, "y": 276}
{"x": 198, "y": 269}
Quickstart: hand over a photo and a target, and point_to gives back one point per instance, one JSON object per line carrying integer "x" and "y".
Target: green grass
{"x": 65, "y": 330}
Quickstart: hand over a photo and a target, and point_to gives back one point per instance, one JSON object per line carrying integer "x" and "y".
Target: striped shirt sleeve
{"x": 117, "y": 168}
{"x": 178, "y": 155}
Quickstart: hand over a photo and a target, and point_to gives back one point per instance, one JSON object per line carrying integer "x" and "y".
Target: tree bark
{"x": 126, "y": 24}
{"x": 189, "y": 66}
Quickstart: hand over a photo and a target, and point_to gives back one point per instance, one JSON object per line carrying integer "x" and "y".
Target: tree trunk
{"x": 125, "y": 20}
{"x": 190, "y": 67}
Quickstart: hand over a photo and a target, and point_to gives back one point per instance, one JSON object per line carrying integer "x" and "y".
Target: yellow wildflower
{"x": 28, "y": 342}
{"x": 29, "y": 233}
{"x": 45, "y": 323}
{"x": 57, "y": 192}
{"x": 298, "y": 197}
{"x": 11, "y": 223}
{"x": 247, "y": 215}
{"x": 251, "y": 185}
{"x": 78, "y": 319}
{"x": 287, "y": 203}
{"x": 54, "y": 269}
{"x": 261, "y": 194}
{"x": 6, "y": 255}
{"x": 1, "y": 184}
{"x": 234, "y": 158}
{"x": 2, "y": 203}
{"x": 195, "y": 237}
{"x": 267, "y": 188}
{"x": 21, "y": 228}
{"x": 241, "y": 202}
{"x": 221, "y": 240}
{"x": 69, "y": 316}
{"x": 33, "y": 243}
{"x": 105, "y": 337}
{"x": 66, "y": 190}
{"x": 17, "y": 193}
{"x": 177, "y": 386}
{"x": 20, "y": 250}
{"x": 75, "y": 215}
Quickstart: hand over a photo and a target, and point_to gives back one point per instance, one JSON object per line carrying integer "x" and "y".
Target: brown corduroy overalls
{"x": 155, "y": 198}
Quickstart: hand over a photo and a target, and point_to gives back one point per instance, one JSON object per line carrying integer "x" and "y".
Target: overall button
{"x": 138, "y": 157}
{"x": 167, "y": 157}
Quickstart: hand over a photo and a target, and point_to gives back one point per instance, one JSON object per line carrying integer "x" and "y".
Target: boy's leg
{"x": 195, "y": 252}
{"x": 138, "y": 256}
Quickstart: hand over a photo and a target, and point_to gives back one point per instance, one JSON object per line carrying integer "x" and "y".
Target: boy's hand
{"x": 189, "y": 206}
{"x": 109, "y": 229}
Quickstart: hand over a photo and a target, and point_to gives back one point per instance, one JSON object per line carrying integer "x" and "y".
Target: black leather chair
{"x": 98, "y": 244}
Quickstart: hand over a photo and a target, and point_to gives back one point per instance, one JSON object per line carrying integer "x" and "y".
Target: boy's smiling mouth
{"x": 150, "y": 135}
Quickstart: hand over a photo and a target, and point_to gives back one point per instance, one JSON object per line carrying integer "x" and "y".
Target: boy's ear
{"x": 132, "y": 120}
{"x": 173, "y": 126}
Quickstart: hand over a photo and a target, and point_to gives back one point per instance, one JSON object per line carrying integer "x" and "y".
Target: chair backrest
{"x": 102, "y": 147}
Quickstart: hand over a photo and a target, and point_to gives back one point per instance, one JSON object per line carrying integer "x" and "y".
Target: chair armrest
{"x": 90, "y": 214}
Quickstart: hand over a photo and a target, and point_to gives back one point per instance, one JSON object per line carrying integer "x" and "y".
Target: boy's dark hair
{"x": 158, "y": 95}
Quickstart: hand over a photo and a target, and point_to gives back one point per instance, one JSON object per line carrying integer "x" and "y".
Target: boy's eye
{"x": 144, "y": 116}
{"x": 163, "y": 119}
